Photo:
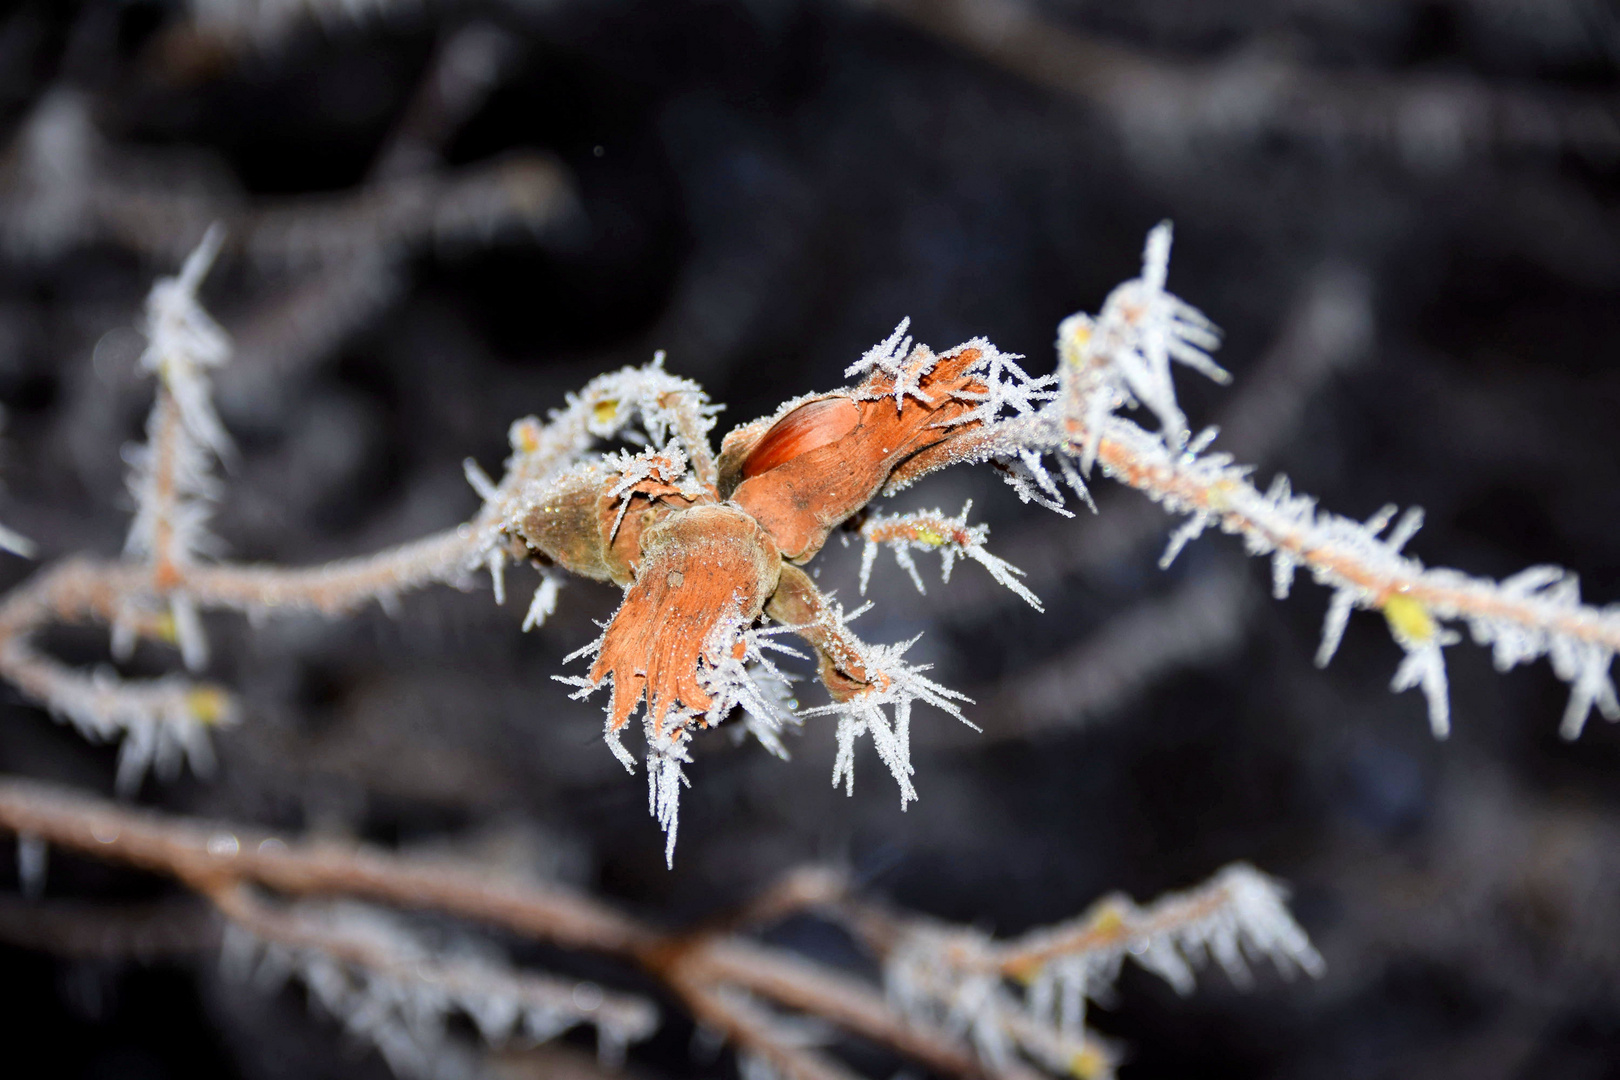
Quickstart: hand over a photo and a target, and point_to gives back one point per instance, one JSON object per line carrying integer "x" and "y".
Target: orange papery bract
{"x": 698, "y": 567}
{"x": 826, "y": 459}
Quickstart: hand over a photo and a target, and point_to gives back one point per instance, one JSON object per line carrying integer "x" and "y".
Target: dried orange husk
{"x": 697, "y": 569}
{"x": 807, "y": 472}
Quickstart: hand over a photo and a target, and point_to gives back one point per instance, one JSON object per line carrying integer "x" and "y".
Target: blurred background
{"x": 444, "y": 215}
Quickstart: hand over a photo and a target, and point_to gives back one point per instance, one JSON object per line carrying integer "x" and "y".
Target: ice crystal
{"x": 544, "y": 604}
{"x": 1009, "y": 388}
{"x": 1124, "y": 354}
{"x": 890, "y": 682}
{"x": 896, "y": 357}
{"x": 666, "y": 753}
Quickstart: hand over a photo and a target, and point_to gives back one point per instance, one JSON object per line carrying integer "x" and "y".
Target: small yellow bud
{"x": 1408, "y": 620}
{"x": 1089, "y": 1064}
{"x": 930, "y": 537}
{"x": 1108, "y": 921}
{"x": 604, "y": 412}
{"x": 1074, "y": 334}
{"x": 208, "y": 704}
{"x": 526, "y": 437}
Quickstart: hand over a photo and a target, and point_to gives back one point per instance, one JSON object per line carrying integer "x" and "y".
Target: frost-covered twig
{"x": 221, "y": 860}
{"x": 397, "y": 990}
{"x": 1532, "y": 614}
{"x": 932, "y": 530}
{"x": 964, "y": 980}
{"x": 1327, "y": 330}
{"x": 159, "y": 723}
{"x": 867, "y": 682}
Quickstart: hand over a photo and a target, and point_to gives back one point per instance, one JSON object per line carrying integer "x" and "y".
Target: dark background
{"x": 1421, "y": 307}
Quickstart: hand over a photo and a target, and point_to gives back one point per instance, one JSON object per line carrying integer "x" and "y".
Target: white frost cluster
{"x": 736, "y": 673}
{"x": 932, "y": 530}
{"x": 896, "y": 357}
{"x": 171, "y": 476}
{"x": 163, "y": 723}
{"x": 1122, "y": 357}
{"x": 891, "y": 682}
{"x": 966, "y": 981}
{"x": 1010, "y": 391}
{"x": 666, "y": 466}
{"x": 397, "y": 990}
{"x": 642, "y": 405}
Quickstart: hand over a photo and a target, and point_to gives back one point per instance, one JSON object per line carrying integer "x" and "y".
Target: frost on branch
{"x": 162, "y": 722}
{"x": 932, "y": 530}
{"x": 171, "y": 476}
{"x": 397, "y": 989}
{"x": 1028, "y": 996}
{"x": 876, "y": 678}
{"x": 1122, "y": 357}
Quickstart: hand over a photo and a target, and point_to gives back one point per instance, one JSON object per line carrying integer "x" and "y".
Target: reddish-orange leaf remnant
{"x": 699, "y": 568}
{"x": 823, "y": 461}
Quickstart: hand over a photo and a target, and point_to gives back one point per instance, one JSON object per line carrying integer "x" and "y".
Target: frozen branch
{"x": 717, "y": 975}
{"x": 397, "y": 990}
{"x": 1532, "y": 614}
{"x": 932, "y": 530}
{"x": 962, "y": 979}
{"x": 65, "y": 187}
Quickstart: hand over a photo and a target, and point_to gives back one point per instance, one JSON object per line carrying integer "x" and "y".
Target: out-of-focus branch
{"x": 465, "y": 66}
{"x": 210, "y": 857}
{"x": 219, "y": 860}
{"x": 1432, "y": 119}
{"x": 752, "y": 1030}
{"x": 398, "y": 990}
{"x": 1202, "y": 618}
{"x": 63, "y": 186}
{"x": 476, "y": 201}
